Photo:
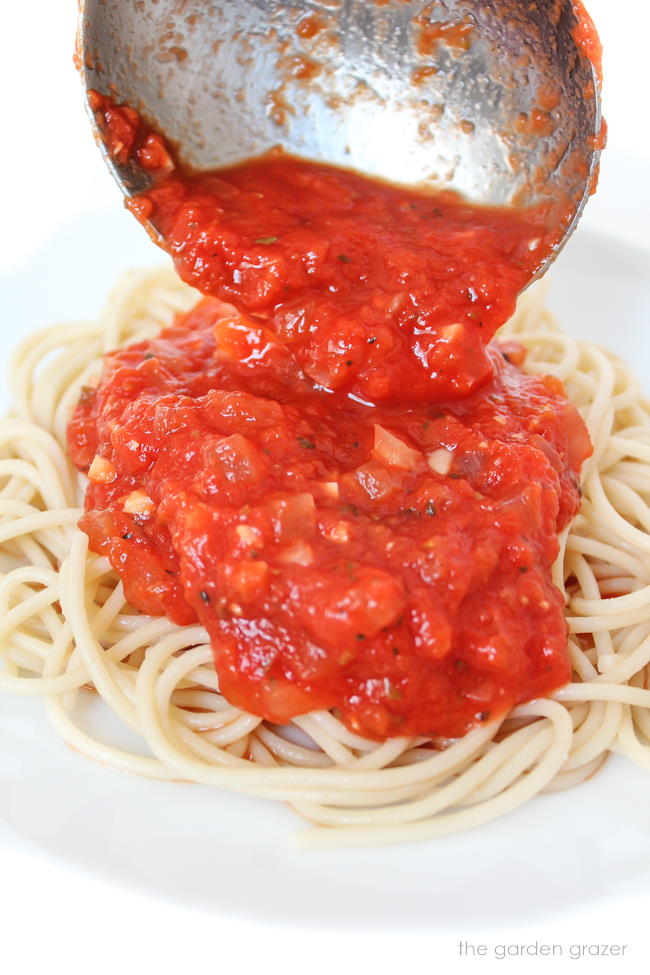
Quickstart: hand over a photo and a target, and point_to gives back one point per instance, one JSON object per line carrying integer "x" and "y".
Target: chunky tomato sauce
{"x": 374, "y": 288}
{"x": 327, "y": 462}
{"x": 586, "y": 38}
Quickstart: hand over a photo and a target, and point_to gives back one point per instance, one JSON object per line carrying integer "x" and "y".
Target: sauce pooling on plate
{"x": 327, "y": 462}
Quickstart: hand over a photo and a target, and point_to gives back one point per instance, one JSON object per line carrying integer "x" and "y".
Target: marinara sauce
{"x": 327, "y": 461}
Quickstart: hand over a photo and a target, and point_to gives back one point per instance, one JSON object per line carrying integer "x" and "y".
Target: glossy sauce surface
{"x": 392, "y": 562}
{"x": 333, "y": 469}
{"x": 375, "y": 288}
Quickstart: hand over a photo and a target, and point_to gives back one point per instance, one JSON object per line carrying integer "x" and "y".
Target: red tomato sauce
{"x": 375, "y": 288}
{"x": 586, "y": 38}
{"x": 389, "y": 561}
{"x": 336, "y": 472}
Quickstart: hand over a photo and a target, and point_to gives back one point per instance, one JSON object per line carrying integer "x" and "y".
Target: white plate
{"x": 230, "y": 854}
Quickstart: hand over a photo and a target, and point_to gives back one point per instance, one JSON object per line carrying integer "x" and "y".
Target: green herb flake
{"x": 205, "y": 596}
{"x": 306, "y": 443}
{"x": 344, "y": 259}
{"x": 266, "y": 240}
{"x": 351, "y": 571}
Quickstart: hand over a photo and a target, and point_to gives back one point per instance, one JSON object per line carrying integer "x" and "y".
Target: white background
{"x": 53, "y": 919}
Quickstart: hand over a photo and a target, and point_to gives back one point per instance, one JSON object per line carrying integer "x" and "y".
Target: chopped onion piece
{"x": 101, "y": 471}
{"x": 247, "y": 534}
{"x": 301, "y": 553}
{"x": 440, "y": 460}
{"x": 393, "y": 450}
{"x": 138, "y": 503}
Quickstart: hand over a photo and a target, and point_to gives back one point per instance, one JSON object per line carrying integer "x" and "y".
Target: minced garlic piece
{"x": 101, "y": 471}
{"x": 440, "y": 460}
{"x": 138, "y": 503}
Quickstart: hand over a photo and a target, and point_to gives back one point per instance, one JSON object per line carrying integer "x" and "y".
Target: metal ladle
{"x": 490, "y": 98}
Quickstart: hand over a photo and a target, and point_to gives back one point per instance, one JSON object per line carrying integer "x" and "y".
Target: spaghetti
{"x": 66, "y": 627}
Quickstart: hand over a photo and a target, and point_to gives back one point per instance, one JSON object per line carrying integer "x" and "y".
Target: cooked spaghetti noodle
{"x": 66, "y": 628}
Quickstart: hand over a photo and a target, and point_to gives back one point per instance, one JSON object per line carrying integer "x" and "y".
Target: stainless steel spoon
{"x": 491, "y": 98}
